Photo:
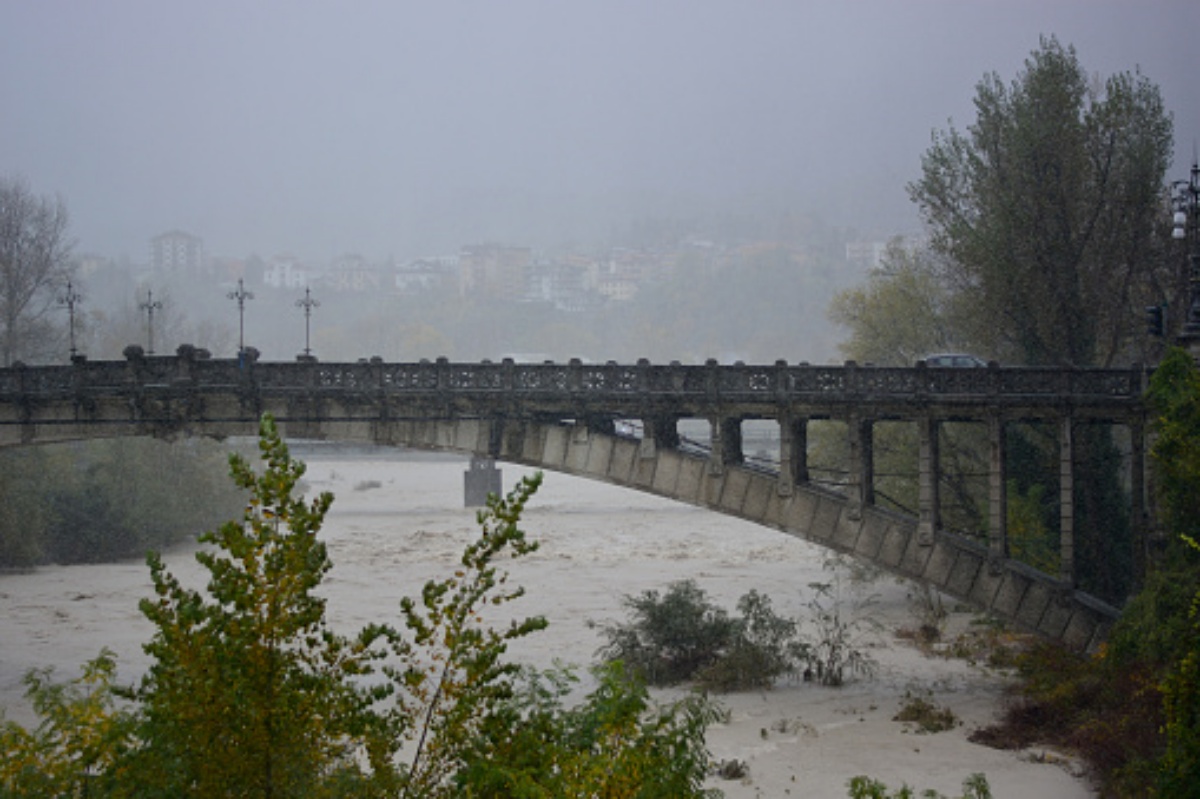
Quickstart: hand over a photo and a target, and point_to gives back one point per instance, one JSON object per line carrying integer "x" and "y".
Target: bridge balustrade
{"x": 487, "y": 408}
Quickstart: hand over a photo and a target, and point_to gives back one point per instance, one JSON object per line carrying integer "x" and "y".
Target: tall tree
{"x": 1046, "y": 209}
{"x": 34, "y": 261}
{"x": 901, "y": 313}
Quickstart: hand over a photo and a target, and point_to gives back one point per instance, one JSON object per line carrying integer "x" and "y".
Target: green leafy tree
{"x": 1046, "y": 210}
{"x": 250, "y": 693}
{"x": 901, "y": 313}
{"x": 452, "y": 673}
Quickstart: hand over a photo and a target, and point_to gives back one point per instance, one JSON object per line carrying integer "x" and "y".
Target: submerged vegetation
{"x": 106, "y": 500}
{"x": 681, "y": 636}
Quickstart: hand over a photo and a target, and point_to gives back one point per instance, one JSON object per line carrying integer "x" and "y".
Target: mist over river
{"x": 398, "y": 519}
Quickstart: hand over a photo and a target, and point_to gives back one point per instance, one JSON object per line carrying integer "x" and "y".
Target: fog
{"x": 399, "y": 130}
{"x": 403, "y": 128}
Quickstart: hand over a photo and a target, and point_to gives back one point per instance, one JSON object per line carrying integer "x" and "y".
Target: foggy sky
{"x": 410, "y": 128}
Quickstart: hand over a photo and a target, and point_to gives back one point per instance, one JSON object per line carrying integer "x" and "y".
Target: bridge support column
{"x": 731, "y": 440}
{"x": 658, "y": 432}
{"x": 1138, "y": 518}
{"x": 929, "y": 471}
{"x": 793, "y": 453}
{"x": 1066, "y": 500}
{"x": 997, "y": 494}
{"x": 862, "y": 465}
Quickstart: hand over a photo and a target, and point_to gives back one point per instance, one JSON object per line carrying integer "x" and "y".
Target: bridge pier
{"x": 929, "y": 479}
{"x": 1066, "y": 500}
{"x": 997, "y": 491}
{"x": 862, "y": 464}
{"x": 793, "y": 452}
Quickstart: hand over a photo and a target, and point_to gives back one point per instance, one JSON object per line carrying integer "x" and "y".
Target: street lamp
{"x": 1185, "y": 199}
{"x": 71, "y": 298}
{"x": 241, "y": 295}
{"x": 150, "y": 306}
{"x": 308, "y": 303}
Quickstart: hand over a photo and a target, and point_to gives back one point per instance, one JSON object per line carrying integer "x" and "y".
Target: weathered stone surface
{"x": 1034, "y": 604}
{"x": 874, "y": 530}
{"x": 758, "y": 495}
{"x": 846, "y": 531}
{"x": 666, "y": 476}
{"x": 733, "y": 493}
{"x": 1012, "y": 590}
{"x": 693, "y": 476}
{"x": 966, "y": 571}
{"x": 939, "y": 566}
{"x": 620, "y": 467}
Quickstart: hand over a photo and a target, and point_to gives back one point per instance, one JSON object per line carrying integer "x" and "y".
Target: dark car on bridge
{"x": 955, "y": 360}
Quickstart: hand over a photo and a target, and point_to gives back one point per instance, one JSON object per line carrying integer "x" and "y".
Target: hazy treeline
{"x": 88, "y": 502}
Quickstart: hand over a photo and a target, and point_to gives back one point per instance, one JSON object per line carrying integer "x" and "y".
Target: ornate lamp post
{"x": 241, "y": 295}
{"x": 70, "y": 298}
{"x": 150, "y": 306}
{"x": 308, "y": 303}
{"x": 1185, "y": 199}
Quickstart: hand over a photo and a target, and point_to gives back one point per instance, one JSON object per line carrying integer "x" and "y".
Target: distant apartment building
{"x": 497, "y": 269}
{"x": 352, "y": 272}
{"x": 285, "y": 272}
{"x": 176, "y": 251}
{"x": 422, "y": 274}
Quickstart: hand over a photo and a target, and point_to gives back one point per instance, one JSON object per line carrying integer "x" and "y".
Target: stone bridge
{"x": 620, "y": 423}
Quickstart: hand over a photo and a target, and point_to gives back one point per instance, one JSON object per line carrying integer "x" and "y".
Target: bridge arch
{"x": 951, "y": 563}
{"x": 566, "y": 417}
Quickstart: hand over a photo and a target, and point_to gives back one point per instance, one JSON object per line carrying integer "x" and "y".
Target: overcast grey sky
{"x": 395, "y": 127}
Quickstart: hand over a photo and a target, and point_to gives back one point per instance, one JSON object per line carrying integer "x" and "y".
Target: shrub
{"x": 680, "y": 635}
{"x": 927, "y": 716}
{"x": 670, "y": 637}
{"x": 974, "y": 787}
{"x": 839, "y": 648}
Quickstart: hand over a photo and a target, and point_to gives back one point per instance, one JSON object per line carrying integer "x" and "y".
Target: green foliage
{"x": 1175, "y": 394}
{"x": 902, "y": 312}
{"x": 974, "y": 787}
{"x": 451, "y": 674}
{"x": 250, "y": 693}
{"x": 925, "y": 715}
{"x": 1029, "y": 540}
{"x": 616, "y": 743}
{"x": 671, "y": 637}
{"x": 1046, "y": 211}
{"x": 77, "y": 747}
{"x": 1180, "y": 770}
{"x": 681, "y": 635}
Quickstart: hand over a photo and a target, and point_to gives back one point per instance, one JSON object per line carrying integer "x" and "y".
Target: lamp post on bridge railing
{"x": 70, "y": 298}
{"x": 150, "y": 306}
{"x": 1185, "y": 200}
{"x": 308, "y": 303}
{"x": 241, "y": 295}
